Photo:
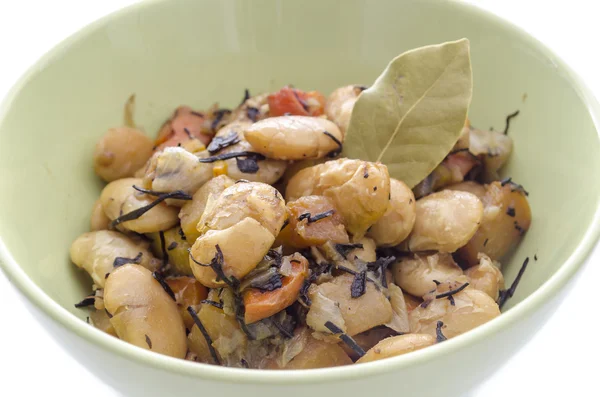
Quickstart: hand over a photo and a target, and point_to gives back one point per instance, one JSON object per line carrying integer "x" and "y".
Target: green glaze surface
{"x": 197, "y": 52}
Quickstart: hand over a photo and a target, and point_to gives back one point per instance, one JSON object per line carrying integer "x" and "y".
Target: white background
{"x": 554, "y": 363}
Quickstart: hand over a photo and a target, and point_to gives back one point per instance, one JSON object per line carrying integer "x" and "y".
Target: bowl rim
{"x": 315, "y": 376}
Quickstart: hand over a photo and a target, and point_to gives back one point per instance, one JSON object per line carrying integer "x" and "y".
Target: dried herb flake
{"x": 204, "y": 332}
{"x": 164, "y": 285}
{"x": 219, "y": 143}
{"x": 507, "y": 294}
{"x": 344, "y": 249}
{"x": 508, "y": 119}
{"x": 231, "y": 155}
{"x": 519, "y": 229}
{"x": 345, "y": 338}
{"x": 218, "y": 114}
{"x": 135, "y": 214}
{"x": 285, "y": 223}
{"x": 438, "y": 332}
{"x": 217, "y": 265}
{"x": 316, "y": 217}
{"x": 163, "y": 249}
{"x": 172, "y": 246}
{"x": 452, "y": 301}
{"x": 301, "y": 101}
{"x": 275, "y": 256}
{"x": 240, "y": 313}
{"x": 303, "y": 294}
{"x": 87, "y": 301}
{"x": 181, "y": 195}
{"x": 271, "y": 282}
{"x": 380, "y": 265}
{"x": 286, "y": 333}
{"x": 218, "y": 305}
{"x": 248, "y": 165}
{"x": 252, "y": 113}
{"x": 120, "y": 261}
{"x": 335, "y": 152}
{"x": 452, "y": 292}
{"x": 246, "y": 96}
{"x": 359, "y": 285}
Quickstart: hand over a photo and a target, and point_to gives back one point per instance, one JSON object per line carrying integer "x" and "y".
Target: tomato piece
{"x": 183, "y": 126}
{"x": 316, "y": 103}
{"x": 290, "y": 101}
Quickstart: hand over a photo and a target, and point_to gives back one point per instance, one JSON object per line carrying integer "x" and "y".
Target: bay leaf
{"x": 412, "y": 116}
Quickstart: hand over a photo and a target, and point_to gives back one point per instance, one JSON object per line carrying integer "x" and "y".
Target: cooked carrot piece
{"x": 263, "y": 304}
{"x": 188, "y": 292}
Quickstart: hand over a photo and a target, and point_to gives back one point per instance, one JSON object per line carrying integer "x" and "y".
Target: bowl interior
{"x": 201, "y": 52}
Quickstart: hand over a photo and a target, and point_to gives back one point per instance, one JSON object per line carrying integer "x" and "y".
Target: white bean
{"x": 359, "y": 189}
{"x": 445, "y": 221}
{"x": 469, "y": 309}
{"x": 121, "y": 152}
{"x": 339, "y": 105}
{"x": 96, "y": 252}
{"x": 396, "y": 346}
{"x": 397, "y": 222}
{"x": 119, "y": 198}
{"x": 416, "y": 274}
{"x": 269, "y": 171}
{"x": 294, "y": 137}
{"x": 175, "y": 168}
{"x": 142, "y": 312}
{"x": 486, "y": 277}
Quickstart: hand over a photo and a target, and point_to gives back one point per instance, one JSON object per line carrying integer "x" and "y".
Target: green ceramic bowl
{"x": 198, "y": 52}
